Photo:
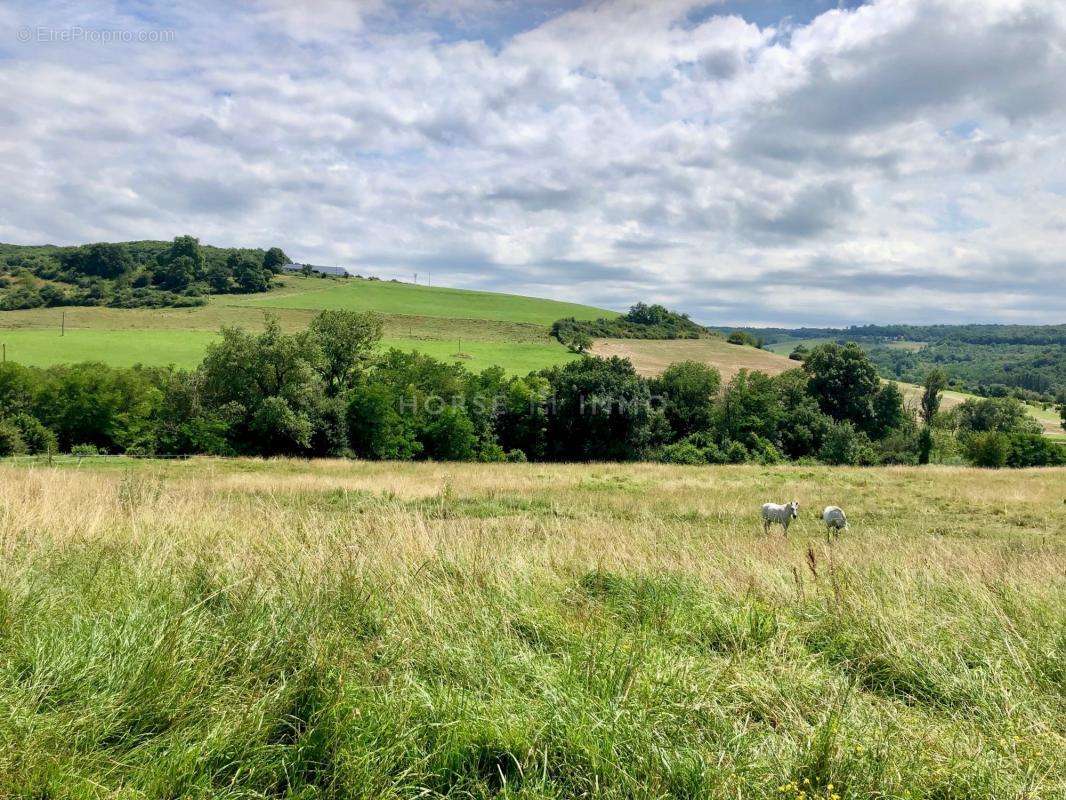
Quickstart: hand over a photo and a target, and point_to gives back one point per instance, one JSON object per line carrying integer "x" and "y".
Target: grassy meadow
{"x": 478, "y": 329}
{"x": 345, "y": 629}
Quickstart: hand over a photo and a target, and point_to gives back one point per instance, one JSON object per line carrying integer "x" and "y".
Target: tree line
{"x": 642, "y": 321}
{"x": 132, "y": 274}
{"x": 329, "y": 391}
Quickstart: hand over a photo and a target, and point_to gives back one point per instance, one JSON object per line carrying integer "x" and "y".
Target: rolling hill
{"x": 477, "y": 328}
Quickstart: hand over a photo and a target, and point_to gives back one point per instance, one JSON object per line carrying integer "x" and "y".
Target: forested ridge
{"x": 131, "y": 274}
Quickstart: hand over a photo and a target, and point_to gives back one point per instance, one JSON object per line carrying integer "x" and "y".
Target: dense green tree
{"x": 17, "y": 388}
{"x": 348, "y": 340}
{"x": 803, "y": 426}
{"x": 844, "y": 383}
{"x": 35, "y": 436}
{"x": 243, "y": 371}
{"x": 248, "y": 274}
{"x": 1034, "y": 450}
{"x": 687, "y": 392}
{"x": 219, "y": 278}
{"x": 104, "y": 260}
{"x": 175, "y": 274}
{"x": 749, "y": 411}
{"x": 11, "y": 443}
{"x": 845, "y": 444}
{"x": 988, "y": 448}
{"x": 600, "y": 411}
{"x": 888, "y": 411}
{"x": 376, "y": 428}
{"x": 936, "y": 380}
{"x": 92, "y": 403}
{"x": 274, "y": 260}
{"x": 188, "y": 247}
{"x": 994, "y": 414}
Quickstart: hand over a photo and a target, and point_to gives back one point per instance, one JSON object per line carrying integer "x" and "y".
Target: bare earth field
{"x": 343, "y": 629}
{"x": 652, "y": 356}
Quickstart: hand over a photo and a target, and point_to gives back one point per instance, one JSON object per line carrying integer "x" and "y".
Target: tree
{"x": 266, "y": 386}
{"x": 936, "y": 380}
{"x": 600, "y": 411}
{"x": 348, "y": 340}
{"x": 687, "y": 391}
{"x": 104, "y": 260}
{"x": 176, "y": 274}
{"x": 803, "y": 425}
{"x": 275, "y": 259}
{"x": 248, "y": 274}
{"x": 995, "y": 414}
{"x": 11, "y": 443}
{"x": 219, "y": 278}
{"x": 888, "y": 411}
{"x": 987, "y": 449}
{"x": 576, "y": 341}
{"x": 925, "y": 444}
{"x": 844, "y": 383}
{"x": 845, "y": 444}
{"x": 749, "y": 411}
{"x": 799, "y": 352}
{"x": 188, "y": 247}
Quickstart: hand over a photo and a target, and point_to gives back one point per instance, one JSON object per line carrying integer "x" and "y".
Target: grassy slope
{"x": 533, "y": 631}
{"x": 493, "y": 328}
{"x": 387, "y": 297}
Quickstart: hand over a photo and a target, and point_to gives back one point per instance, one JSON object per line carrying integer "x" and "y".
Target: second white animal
{"x": 834, "y": 520}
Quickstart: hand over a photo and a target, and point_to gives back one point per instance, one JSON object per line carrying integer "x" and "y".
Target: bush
{"x": 682, "y": 453}
{"x": 36, "y": 437}
{"x": 84, "y": 450}
{"x": 11, "y": 443}
{"x": 1035, "y": 450}
{"x": 844, "y": 444}
{"x": 516, "y": 456}
{"x": 987, "y": 449}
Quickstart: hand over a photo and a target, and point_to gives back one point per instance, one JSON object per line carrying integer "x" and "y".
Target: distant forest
{"x": 131, "y": 274}
{"x": 991, "y": 360}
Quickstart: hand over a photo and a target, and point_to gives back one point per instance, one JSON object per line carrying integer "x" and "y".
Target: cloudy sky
{"x": 777, "y": 162}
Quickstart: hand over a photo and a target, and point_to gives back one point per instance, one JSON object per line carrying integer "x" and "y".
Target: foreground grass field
{"x": 337, "y": 629}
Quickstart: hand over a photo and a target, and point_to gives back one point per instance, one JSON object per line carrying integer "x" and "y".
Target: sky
{"x": 765, "y": 163}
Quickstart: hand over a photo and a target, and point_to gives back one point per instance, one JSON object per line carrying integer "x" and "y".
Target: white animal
{"x": 781, "y": 514}
{"x": 834, "y": 520}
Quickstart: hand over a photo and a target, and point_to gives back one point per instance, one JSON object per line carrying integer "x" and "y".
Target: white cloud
{"x": 899, "y": 161}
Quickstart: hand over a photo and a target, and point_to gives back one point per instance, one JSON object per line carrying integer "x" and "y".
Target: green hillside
{"x": 387, "y": 297}
{"x": 477, "y": 328}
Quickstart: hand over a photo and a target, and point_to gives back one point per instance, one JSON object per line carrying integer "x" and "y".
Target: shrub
{"x": 516, "y": 456}
{"x": 987, "y": 449}
{"x": 844, "y": 444}
{"x": 36, "y": 437}
{"x": 1034, "y": 450}
{"x": 11, "y": 443}
{"x": 84, "y": 450}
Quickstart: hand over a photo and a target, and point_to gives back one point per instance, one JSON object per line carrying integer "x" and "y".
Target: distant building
{"x": 335, "y": 271}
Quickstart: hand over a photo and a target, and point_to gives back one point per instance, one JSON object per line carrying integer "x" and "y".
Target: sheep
{"x": 834, "y": 520}
{"x": 781, "y": 514}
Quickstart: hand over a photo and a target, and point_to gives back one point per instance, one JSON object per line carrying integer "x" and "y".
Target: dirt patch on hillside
{"x": 652, "y": 356}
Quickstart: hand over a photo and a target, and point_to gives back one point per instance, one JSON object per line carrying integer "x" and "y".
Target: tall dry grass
{"x": 345, "y": 629}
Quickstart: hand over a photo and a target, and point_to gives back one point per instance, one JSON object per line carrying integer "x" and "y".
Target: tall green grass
{"x": 358, "y": 632}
